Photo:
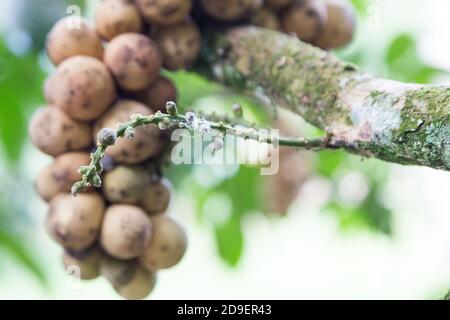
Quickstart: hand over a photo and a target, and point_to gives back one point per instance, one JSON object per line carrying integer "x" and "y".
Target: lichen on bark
{"x": 393, "y": 121}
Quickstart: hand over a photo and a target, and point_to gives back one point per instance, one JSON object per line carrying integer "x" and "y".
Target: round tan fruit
{"x": 340, "y": 25}
{"x": 114, "y": 17}
{"x": 277, "y": 4}
{"x": 84, "y": 264}
{"x": 126, "y": 231}
{"x": 146, "y": 142}
{"x": 128, "y": 278}
{"x": 75, "y": 222}
{"x": 133, "y": 60}
{"x": 305, "y": 18}
{"x": 82, "y": 87}
{"x": 265, "y": 18}
{"x": 168, "y": 244}
{"x": 155, "y": 198}
{"x": 164, "y": 12}
{"x": 125, "y": 184}
{"x": 158, "y": 94}
{"x": 73, "y": 36}
{"x": 180, "y": 44}
{"x": 65, "y": 168}
{"x": 47, "y": 187}
{"x": 230, "y": 10}
{"x": 53, "y": 132}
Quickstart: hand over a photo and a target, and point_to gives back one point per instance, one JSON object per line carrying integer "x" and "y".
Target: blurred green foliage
{"x": 21, "y": 81}
{"x": 242, "y": 191}
{"x": 16, "y": 247}
{"x": 20, "y": 91}
{"x": 404, "y": 63}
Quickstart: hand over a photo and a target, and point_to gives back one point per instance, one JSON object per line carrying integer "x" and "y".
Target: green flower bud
{"x": 77, "y": 187}
{"x": 171, "y": 108}
{"x": 106, "y": 137}
{"x": 96, "y": 181}
{"x": 129, "y": 133}
{"x": 83, "y": 170}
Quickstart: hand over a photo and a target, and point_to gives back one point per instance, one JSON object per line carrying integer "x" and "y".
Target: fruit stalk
{"x": 91, "y": 173}
{"x": 372, "y": 117}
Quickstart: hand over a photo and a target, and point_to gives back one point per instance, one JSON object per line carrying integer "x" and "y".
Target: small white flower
{"x": 218, "y": 143}
{"x": 106, "y": 137}
{"x": 204, "y": 126}
{"x": 163, "y": 125}
{"x": 191, "y": 120}
{"x": 129, "y": 133}
{"x": 262, "y": 137}
{"x": 171, "y": 108}
{"x": 136, "y": 116}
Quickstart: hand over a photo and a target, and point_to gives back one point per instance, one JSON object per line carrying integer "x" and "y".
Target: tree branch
{"x": 393, "y": 121}
{"x": 90, "y": 174}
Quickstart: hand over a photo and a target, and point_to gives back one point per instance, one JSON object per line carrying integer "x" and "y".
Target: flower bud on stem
{"x": 90, "y": 175}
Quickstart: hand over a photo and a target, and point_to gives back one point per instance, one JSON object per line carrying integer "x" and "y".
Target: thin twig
{"x": 107, "y": 137}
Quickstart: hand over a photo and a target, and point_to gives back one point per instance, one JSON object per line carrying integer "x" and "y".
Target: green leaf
{"x": 191, "y": 87}
{"x": 361, "y": 6}
{"x": 22, "y": 254}
{"x": 371, "y": 214}
{"x": 328, "y": 161}
{"x": 376, "y": 214}
{"x": 20, "y": 91}
{"x": 405, "y": 64}
{"x": 401, "y": 45}
{"x": 230, "y": 241}
{"x": 243, "y": 191}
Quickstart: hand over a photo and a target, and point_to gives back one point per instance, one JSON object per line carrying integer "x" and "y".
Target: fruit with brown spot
{"x": 155, "y": 198}
{"x": 85, "y": 264}
{"x": 73, "y": 36}
{"x": 134, "y": 61}
{"x": 146, "y": 142}
{"x": 128, "y": 278}
{"x": 265, "y": 18}
{"x": 168, "y": 244}
{"x": 340, "y": 25}
{"x": 45, "y": 184}
{"x": 230, "y": 10}
{"x": 157, "y": 95}
{"x": 114, "y": 17}
{"x": 179, "y": 44}
{"x": 53, "y": 132}
{"x": 277, "y": 4}
{"x": 126, "y": 231}
{"x": 75, "y": 222}
{"x": 65, "y": 168}
{"x": 164, "y": 12}
{"x": 305, "y": 18}
{"x": 125, "y": 184}
{"x": 82, "y": 87}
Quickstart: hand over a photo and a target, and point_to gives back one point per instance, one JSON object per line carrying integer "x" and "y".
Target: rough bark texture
{"x": 394, "y": 121}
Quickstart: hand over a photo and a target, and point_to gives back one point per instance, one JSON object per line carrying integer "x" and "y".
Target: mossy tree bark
{"x": 393, "y": 121}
